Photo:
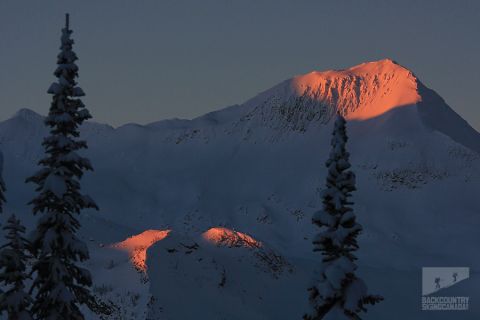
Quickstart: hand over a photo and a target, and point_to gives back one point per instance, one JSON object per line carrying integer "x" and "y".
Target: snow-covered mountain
{"x": 257, "y": 168}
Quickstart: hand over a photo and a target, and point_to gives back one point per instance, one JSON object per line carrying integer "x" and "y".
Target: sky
{"x": 143, "y": 61}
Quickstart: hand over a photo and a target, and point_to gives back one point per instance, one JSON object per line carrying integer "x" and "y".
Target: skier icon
{"x": 437, "y": 283}
{"x": 455, "y": 275}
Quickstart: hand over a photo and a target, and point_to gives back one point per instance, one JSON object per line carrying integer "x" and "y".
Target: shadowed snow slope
{"x": 258, "y": 167}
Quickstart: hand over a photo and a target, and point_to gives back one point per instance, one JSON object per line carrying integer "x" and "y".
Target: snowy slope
{"x": 258, "y": 168}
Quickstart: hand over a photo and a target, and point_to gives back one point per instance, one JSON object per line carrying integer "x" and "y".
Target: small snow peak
{"x": 386, "y": 61}
{"x": 382, "y": 62}
{"x": 222, "y": 236}
{"x": 379, "y": 67}
{"x": 27, "y": 114}
{"x": 137, "y": 246}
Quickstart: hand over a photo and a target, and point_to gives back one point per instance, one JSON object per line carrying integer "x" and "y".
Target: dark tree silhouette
{"x": 338, "y": 292}
{"x": 60, "y": 284}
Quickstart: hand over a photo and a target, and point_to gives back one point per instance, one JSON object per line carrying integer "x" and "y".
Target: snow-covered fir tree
{"x": 60, "y": 285}
{"x": 15, "y": 300}
{"x": 2, "y": 185}
{"x": 337, "y": 292}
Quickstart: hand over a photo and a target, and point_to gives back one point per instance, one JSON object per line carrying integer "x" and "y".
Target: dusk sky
{"x": 142, "y": 61}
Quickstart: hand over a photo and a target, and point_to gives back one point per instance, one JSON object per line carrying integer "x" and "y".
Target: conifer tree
{"x": 14, "y": 299}
{"x": 2, "y": 185}
{"x": 337, "y": 292}
{"x": 60, "y": 285}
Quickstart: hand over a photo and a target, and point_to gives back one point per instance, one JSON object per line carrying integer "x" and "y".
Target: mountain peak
{"x": 382, "y": 62}
{"x": 379, "y": 66}
{"x": 26, "y": 114}
{"x": 384, "y": 66}
{"x": 363, "y": 91}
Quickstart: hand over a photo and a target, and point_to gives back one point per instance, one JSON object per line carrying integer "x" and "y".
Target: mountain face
{"x": 257, "y": 169}
{"x": 362, "y": 92}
